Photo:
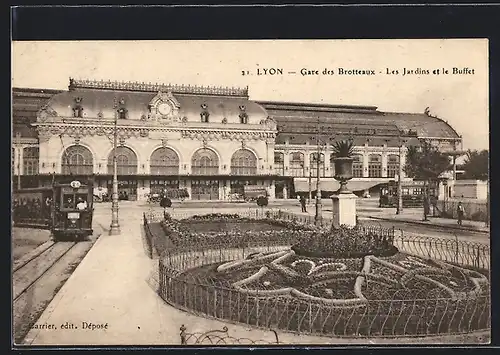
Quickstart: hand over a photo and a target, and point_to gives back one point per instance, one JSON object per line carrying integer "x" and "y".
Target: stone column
{"x": 365, "y": 164}
{"x": 384, "y": 164}
{"x": 221, "y": 190}
{"x": 344, "y": 209}
{"x": 286, "y": 162}
{"x": 20, "y": 158}
{"x": 271, "y": 189}
{"x": 307, "y": 163}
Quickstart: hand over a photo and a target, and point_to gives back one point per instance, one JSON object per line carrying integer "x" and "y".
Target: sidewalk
{"x": 413, "y": 216}
{"x": 110, "y": 287}
{"x": 416, "y": 217}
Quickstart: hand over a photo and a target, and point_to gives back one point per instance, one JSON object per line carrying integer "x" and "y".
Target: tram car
{"x": 412, "y": 193}
{"x": 73, "y": 210}
{"x": 32, "y": 207}
{"x": 65, "y": 209}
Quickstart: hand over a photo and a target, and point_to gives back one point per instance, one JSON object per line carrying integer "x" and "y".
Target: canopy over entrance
{"x": 330, "y": 184}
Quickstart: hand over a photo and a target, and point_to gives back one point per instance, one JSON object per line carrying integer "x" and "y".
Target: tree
{"x": 425, "y": 162}
{"x": 476, "y": 165}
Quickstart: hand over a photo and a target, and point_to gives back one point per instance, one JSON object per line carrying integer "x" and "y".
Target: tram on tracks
{"x": 412, "y": 193}
{"x": 65, "y": 209}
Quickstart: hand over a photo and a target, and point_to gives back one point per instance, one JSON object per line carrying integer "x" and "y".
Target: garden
{"x": 272, "y": 273}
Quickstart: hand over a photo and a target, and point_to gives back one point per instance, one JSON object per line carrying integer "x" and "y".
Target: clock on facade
{"x": 164, "y": 108}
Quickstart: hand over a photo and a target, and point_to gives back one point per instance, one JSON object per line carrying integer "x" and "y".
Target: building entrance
{"x": 127, "y": 189}
{"x": 205, "y": 189}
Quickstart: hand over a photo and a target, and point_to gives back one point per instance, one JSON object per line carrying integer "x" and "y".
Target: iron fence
{"x": 389, "y": 316}
{"x": 221, "y": 337}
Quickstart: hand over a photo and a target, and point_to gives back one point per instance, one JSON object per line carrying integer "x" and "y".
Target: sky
{"x": 461, "y": 98}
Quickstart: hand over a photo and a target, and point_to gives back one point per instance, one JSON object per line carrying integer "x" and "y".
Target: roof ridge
{"x": 156, "y": 87}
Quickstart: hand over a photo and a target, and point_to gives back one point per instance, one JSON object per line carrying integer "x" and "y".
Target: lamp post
{"x": 319, "y": 213}
{"x": 399, "y": 208}
{"x": 115, "y": 226}
{"x": 310, "y": 186}
{"x": 19, "y": 171}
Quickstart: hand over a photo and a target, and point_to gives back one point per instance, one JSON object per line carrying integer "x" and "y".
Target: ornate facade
{"x": 210, "y": 141}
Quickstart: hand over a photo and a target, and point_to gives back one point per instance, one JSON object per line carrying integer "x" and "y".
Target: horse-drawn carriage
{"x": 172, "y": 194}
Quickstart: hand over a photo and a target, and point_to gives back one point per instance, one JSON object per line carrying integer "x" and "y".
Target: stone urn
{"x": 343, "y": 172}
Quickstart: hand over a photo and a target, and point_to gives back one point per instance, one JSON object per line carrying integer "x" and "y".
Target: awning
{"x": 332, "y": 185}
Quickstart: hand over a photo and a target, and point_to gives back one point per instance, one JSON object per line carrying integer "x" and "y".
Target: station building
{"x": 211, "y": 141}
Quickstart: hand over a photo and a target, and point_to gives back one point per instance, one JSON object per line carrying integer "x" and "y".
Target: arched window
{"x": 243, "y": 162}
{"x": 374, "y": 165}
{"x": 392, "y": 165}
{"x": 126, "y": 161}
{"x": 357, "y": 166}
{"x": 297, "y": 167}
{"x": 31, "y": 157}
{"x": 279, "y": 163}
{"x": 315, "y": 159}
{"x": 204, "y": 162}
{"x": 77, "y": 160}
{"x": 164, "y": 161}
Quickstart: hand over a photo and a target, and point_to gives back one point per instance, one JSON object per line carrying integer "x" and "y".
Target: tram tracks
{"x": 38, "y": 276}
{"x": 28, "y": 272}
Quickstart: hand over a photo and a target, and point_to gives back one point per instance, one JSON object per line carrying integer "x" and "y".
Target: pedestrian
{"x": 81, "y": 205}
{"x": 303, "y": 203}
{"x": 426, "y": 208}
{"x": 460, "y": 213}
{"x": 165, "y": 202}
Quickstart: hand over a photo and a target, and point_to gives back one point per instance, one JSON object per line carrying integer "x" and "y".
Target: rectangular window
{"x": 30, "y": 160}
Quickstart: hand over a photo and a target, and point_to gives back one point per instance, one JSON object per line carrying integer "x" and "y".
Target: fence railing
{"x": 388, "y": 317}
{"x": 221, "y": 337}
{"x": 456, "y": 251}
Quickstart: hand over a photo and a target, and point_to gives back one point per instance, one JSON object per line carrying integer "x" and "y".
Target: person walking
{"x": 460, "y": 213}
{"x": 302, "y": 200}
{"x": 165, "y": 202}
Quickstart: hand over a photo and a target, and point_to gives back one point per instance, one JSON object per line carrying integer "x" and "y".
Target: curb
{"x": 430, "y": 224}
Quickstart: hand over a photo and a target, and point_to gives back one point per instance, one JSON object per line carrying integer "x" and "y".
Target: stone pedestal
{"x": 344, "y": 209}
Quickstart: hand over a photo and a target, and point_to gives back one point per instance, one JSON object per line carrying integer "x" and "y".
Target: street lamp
{"x": 19, "y": 172}
{"x": 319, "y": 213}
{"x": 399, "y": 208}
{"x": 310, "y": 186}
{"x": 115, "y": 226}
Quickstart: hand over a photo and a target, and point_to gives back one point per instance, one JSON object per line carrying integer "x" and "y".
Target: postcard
{"x": 264, "y": 192}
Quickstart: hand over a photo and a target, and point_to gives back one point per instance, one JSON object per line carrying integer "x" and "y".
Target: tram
{"x": 412, "y": 193}
{"x": 65, "y": 209}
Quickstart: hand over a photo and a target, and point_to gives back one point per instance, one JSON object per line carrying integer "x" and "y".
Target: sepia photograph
{"x": 250, "y": 192}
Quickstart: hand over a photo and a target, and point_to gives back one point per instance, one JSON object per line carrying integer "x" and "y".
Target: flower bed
{"x": 345, "y": 242}
{"x": 381, "y": 292}
{"x": 228, "y": 228}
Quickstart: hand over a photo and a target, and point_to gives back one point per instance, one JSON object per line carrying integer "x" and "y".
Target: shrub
{"x": 262, "y": 201}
